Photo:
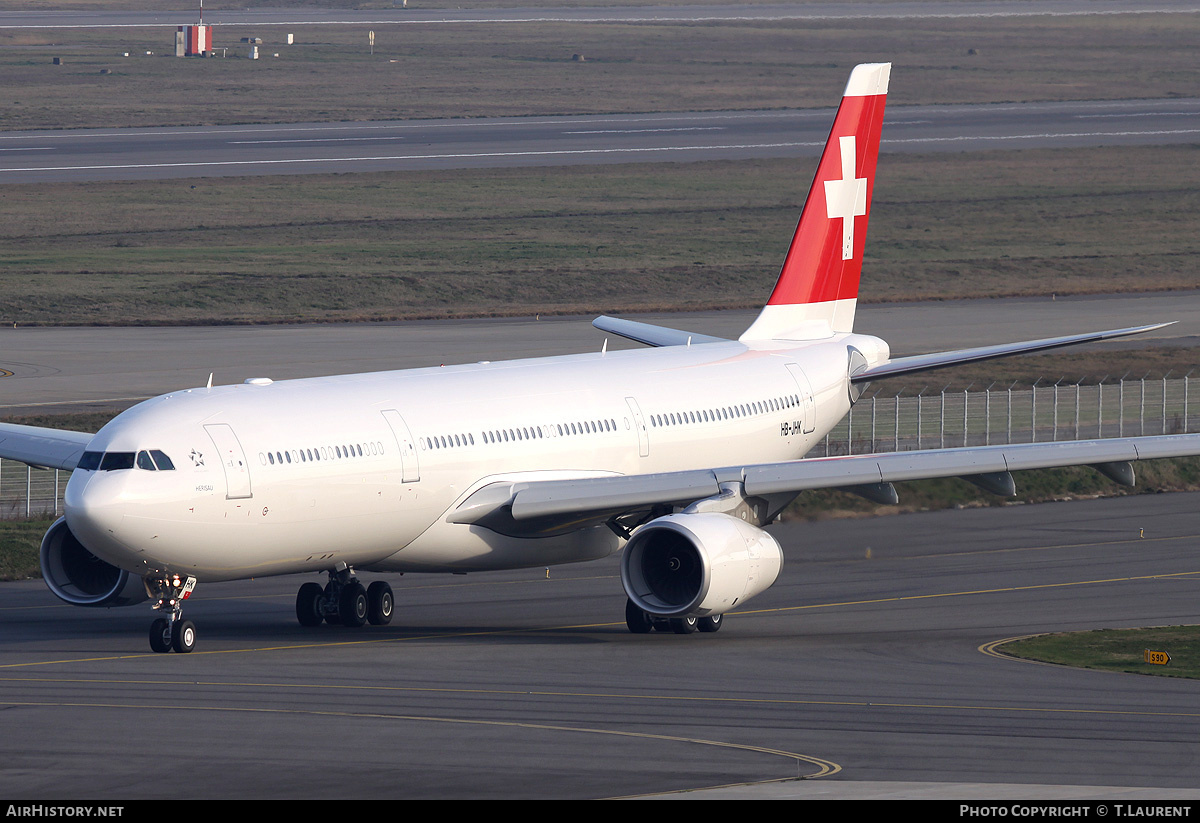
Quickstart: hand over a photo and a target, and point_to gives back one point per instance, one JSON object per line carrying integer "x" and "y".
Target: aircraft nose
{"x": 95, "y": 512}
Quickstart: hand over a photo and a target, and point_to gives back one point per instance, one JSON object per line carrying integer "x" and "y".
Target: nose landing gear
{"x": 172, "y": 632}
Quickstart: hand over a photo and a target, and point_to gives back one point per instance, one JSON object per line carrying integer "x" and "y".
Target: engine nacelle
{"x": 77, "y": 576}
{"x": 693, "y": 565}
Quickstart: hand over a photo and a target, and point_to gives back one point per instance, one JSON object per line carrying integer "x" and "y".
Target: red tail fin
{"x": 817, "y": 289}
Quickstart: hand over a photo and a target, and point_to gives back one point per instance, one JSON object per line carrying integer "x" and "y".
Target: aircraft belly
{"x": 451, "y": 547}
{"x": 279, "y": 531}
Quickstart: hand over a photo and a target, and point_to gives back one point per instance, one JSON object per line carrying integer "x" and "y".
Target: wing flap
{"x": 557, "y": 505}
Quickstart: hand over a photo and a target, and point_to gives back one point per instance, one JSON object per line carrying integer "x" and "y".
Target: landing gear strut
{"x": 171, "y": 632}
{"x": 642, "y": 622}
{"x": 344, "y": 601}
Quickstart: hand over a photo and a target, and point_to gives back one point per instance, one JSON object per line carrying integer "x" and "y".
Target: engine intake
{"x": 80, "y": 578}
{"x": 693, "y": 565}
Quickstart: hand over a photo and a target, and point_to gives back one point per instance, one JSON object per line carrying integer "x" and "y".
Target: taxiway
{"x": 311, "y": 148}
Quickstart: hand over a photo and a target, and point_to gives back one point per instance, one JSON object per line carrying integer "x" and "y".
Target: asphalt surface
{"x": 867, "y": 668}
{"x": 585, "y": 14}
{"x": 83, "y": 368}
{"x": 309, "y": 148}
{"x": 79, "y": 368}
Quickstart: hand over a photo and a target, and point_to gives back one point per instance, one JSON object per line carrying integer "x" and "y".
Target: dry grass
{"x": 585, "y": 239}
{"x": 474, "y": 70}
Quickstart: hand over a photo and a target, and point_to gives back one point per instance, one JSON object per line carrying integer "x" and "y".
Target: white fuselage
{"x": 302, "y": 475}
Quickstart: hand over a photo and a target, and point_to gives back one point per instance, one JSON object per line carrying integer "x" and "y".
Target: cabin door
{"x": 409, "y": 466}
{"x": 233, "y": 460}
{"x": 639, "y": 423}
{"x": 806, "y": 397}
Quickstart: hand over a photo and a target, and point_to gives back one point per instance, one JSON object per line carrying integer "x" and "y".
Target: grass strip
{"x": 471, "y": 70}
{"x": 624, "y": 238}
{"x": 1117, "y": 650}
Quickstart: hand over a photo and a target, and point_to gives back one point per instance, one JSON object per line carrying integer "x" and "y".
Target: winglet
{"x": 817, "y": 289}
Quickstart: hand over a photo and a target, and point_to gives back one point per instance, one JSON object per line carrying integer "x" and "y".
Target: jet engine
{"x": 77, "y": 576}
{"x": 694, "y": 565}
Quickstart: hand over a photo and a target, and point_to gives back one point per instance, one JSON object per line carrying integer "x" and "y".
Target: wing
{"x": 542, "y": 508}
{"x": 42, "y": 448}
{"x": 937, "y": 360}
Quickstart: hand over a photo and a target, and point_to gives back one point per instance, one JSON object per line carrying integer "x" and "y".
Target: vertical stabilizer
{"x": 817, "y": 288}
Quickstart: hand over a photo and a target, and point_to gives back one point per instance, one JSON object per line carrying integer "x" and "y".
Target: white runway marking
{"x": 576, "y": 152}
{"x": 1140, "y": 114}
{"x": 466, "y": 156}
{"x": 647, "y": 131}
{"x": 311, "y": 140}
{"x": 1060, "y": 135}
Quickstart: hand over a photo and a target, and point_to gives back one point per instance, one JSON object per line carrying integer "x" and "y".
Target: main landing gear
{"x": 642, "y": 622}
{"x": 172, "y": 632}
{"x": 344, "y": 601}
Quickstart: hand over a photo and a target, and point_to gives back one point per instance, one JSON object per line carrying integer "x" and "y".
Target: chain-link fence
{"x": 947, "y": 419}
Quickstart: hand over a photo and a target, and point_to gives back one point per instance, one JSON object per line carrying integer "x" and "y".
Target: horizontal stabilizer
{"x": 652, "y": 335}
{"x": 938, "y": 360}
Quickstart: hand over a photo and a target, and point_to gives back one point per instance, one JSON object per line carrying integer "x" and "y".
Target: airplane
{"x": 679, "y": 453}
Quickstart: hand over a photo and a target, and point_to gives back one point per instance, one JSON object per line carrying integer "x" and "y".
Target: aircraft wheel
{"x": 380, "y": 603}
{"x": 712, "y": 623}
{"x": 353, "y": 606}
{"x": 308, "y": 604}
{"x": 183, "y": 636}
{"x": 160, "y": 635}
{"x": 638, "y": 621}
{"x": 683, "y": 625}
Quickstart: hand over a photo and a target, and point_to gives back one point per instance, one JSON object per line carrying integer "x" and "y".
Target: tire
{"x": 683, "y": 625}
{"x": 160, "y": 638}
{"x": 381, "y": 603}
{"x": 638, "y": 621}
{"x": 710, "y": 624}
{"x": 353, "y": 606}
{"x": 308, "y": 604}
{"x": 183, "y": 636}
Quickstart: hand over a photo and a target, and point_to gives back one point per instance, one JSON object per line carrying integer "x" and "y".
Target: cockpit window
{"x": 162, "y": 461}
{"x": 116, "y": 460}
{"x": 90, "y": 461}
{"x": 147, "y": 460}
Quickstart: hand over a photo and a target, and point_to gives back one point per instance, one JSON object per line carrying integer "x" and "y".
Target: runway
{"x": 862, "y": 664}
{"x": 78, "y": 368}
{"x": 667, "y": 13}
{"x": 140, "y": 154}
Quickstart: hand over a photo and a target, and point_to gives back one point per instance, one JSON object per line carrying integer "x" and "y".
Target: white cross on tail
{"x": 846, "y": 198}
